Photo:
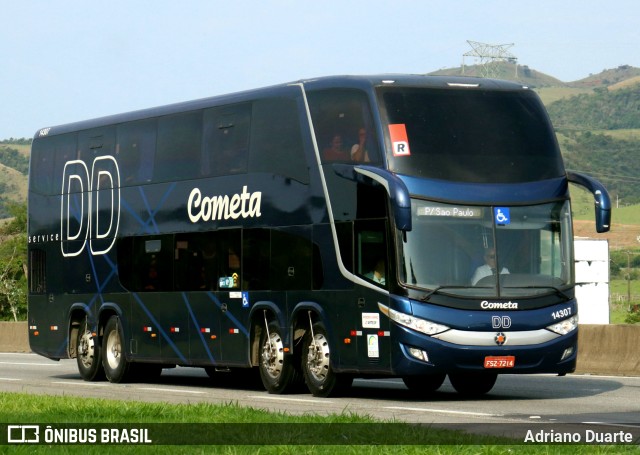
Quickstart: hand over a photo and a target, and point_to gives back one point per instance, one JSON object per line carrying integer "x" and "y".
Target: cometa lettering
{"x": 225, "y": 207}
{"x": 486, "y": 305}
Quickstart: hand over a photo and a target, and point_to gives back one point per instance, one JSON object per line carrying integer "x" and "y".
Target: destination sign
{"x": 453, "y": 212}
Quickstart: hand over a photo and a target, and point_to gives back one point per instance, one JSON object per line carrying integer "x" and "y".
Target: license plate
{"x": 506, "y": 361}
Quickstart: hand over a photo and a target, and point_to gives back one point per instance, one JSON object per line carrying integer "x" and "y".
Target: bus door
{"x": 231, "y": 303}
{"x": 372, "y": 264}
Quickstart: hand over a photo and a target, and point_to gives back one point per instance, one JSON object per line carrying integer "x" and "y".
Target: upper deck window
{"x": 343, "y": 125}
{"x": 470, "y": 135}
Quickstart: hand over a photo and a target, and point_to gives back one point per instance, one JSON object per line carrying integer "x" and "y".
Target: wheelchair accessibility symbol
{"x": 501, "y": 215}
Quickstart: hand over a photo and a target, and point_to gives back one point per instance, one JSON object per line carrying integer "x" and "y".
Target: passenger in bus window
{"x": 359, "y": 151}
{"x": 152, "y": 280}
{"x": 335, "y": 152}
{"x": 377, "y": 275}
{"x": 489, "y": 268}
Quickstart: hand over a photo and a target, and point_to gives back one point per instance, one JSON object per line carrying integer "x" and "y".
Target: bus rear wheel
{"x": 320, "y": 378}
{"x": 473, "y": 384}
{"x": 116, "y": 367}
{"x": 88, "y": 355}
{"x": 278, "y": 370}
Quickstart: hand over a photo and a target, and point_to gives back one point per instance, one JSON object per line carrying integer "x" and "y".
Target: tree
{"x": 13, "y": 265}
{"x": 13, "y": 299}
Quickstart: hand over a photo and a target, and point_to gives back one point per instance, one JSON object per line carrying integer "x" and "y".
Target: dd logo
{"x": 500, "y": 322}
{"x": 90, "y": 206}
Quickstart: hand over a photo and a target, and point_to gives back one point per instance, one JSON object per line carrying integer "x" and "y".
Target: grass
{"x": 181, "y": 419}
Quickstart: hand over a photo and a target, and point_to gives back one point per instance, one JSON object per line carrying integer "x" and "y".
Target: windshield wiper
{"x": 559, "y": 292}
{"x": 437, "y": 289}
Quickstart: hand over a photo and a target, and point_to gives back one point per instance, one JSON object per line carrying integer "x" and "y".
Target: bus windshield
{"x": 487, "y": 251}
{"x": 469, "y": 135}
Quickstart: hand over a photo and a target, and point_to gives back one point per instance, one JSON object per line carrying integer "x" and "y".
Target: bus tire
{"x": 116, "y": 367}
{"x": 425, "y": 384}
{"x": 320, "y": 378}
{"x": 89, "y": 355}
{"x": 472, "y": 384}
{"x": 278, "y": 370}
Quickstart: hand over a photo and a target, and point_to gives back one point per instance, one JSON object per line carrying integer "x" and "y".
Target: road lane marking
{"x": 299, "y": 400}
{"x": 158, "y": 389}
{"x": 443, "y": 411}
{"x": 86, "y": 383}
{"x": 10, "y": 379}
{"x": 31, "y": 364}
{"x": 608, "y": 424}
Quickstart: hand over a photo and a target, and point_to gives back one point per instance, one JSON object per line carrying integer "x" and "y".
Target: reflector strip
{"x": 54, "y": 328}
{"x": 175, "y": 329}
{"x": 147, "y": 329}
{"x": 233, "y": 331}
{"x": 205, "y": 330}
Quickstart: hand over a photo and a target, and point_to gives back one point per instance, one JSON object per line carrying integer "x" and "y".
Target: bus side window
{"x": 135, "y": 150}
{"x": 343, "y": 124}
{"x": 291, "y": 259}
{"x": 229, "y": 263}
{"x": 225, "y": 145}
{"x": 256, "y": 258}
{"x": 48, "y": 157}
{"x": 178, "y": 151}
{"x": 145, "y": 264}
{"x": 276, "y": 140}
{"x": 371, "y": 251}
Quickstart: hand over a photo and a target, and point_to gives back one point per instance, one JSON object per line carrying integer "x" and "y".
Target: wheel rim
{"x": 86, "y": 349}
{"x": 318, "y": 358}
{"x": 273, "y": 355}
{"x": 114, "y": 350}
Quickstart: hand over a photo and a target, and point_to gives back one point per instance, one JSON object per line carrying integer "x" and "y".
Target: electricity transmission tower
{"x": 490, "y": 56}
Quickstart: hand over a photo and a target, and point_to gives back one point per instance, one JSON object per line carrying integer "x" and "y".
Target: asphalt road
{"x": 606, "y": 401}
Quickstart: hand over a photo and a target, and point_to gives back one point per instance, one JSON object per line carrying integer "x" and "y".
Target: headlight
{"x": 565, "y": 326}
{"x": 420, "y": 325}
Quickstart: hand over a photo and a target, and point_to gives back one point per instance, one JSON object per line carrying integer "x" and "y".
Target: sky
{"x": 70, "y": 60}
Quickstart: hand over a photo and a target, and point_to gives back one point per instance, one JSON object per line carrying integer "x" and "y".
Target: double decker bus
{"x": 382, "y": 226}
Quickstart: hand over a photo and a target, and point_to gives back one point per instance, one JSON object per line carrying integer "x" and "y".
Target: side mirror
{"x": 602, "y": 202}
{"x": 396, "y": 189}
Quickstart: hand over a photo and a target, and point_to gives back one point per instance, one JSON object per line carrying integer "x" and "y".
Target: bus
{"x": 404, "y": 226}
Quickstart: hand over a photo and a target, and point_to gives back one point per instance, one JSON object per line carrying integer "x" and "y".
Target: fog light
{"x": 567, "y": 353}
{"x": 419, "y": 354}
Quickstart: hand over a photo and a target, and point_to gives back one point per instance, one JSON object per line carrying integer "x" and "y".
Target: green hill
{"x": 602, "y": 109}
{"x": 608, "y": 77}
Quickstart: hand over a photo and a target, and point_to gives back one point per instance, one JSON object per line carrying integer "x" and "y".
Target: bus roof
{"x": 325, "y": 82}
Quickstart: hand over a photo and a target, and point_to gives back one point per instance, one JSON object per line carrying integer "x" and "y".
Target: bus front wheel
{"x": 424, "y": 385}
{"x": 116, "y": 367}
{"x": 278, "y": 371}
{"x": 320, "y": 378}
{"x": 472, "y": 384}
{"x": 88, "y": 354}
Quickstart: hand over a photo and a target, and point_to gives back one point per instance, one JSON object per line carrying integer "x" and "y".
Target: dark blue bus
{"x": 317, "y": 231}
